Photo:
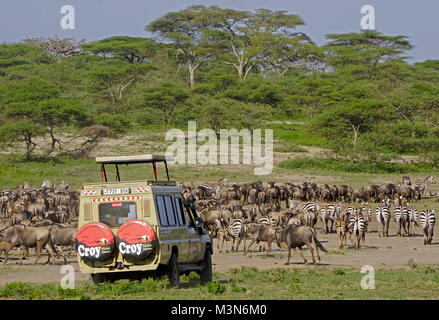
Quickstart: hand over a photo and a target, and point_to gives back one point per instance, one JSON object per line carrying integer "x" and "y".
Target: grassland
{"x": 413, "y": 282}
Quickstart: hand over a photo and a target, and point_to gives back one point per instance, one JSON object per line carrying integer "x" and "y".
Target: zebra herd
{"x": 230, "y": 220}
{"x": 349, "y": 221}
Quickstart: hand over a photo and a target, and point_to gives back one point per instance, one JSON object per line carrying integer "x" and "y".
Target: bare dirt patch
{"x": 381, "y": 253}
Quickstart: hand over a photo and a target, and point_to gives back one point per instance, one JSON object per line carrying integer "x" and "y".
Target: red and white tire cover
{"x": 94, "y": 242}
{"x": 135, "y": 239}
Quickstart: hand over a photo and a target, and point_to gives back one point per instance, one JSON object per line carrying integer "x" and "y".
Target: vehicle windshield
{"x": 115, "y": 214}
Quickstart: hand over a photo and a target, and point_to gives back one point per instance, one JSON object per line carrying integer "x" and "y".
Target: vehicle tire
{"x": 173, "y": 271}
{"x": 206, "y": 273}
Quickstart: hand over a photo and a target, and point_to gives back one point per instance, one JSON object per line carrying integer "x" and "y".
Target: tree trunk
{"x": 191, "y": 75}
{"x": 356, "y": 133}
{"x": 30, "y": 145}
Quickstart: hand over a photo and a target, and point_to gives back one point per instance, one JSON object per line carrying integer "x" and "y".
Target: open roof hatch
{"x": 143, "y": 158}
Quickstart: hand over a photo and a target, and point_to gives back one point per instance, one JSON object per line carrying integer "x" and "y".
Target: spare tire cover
{"x": 135, "y": 239}
{"x": 94, "y": 242}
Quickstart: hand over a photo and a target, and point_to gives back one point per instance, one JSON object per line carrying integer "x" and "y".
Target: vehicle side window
{"x": 179, "y": 211}
{"x": 161, "y": 209}
{"x": 170, "y": 211}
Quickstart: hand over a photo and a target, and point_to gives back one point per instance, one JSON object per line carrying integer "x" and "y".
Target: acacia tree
{"x": 131, "y": 49}
{"x": 280, "y": 54}
{"x": 56, "y": 112}
{"x": 351, "y": 120}
{"x": 12, "y": 131}
{"x": 243, "y": 35}
{"x": 165, "y": 96}
{"x": 111, "y": 79}
{"x": 185, "y": 29}
{"x": 368, "y": 48}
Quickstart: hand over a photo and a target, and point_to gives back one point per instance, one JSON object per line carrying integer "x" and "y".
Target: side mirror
{"x": 199, "y": 227}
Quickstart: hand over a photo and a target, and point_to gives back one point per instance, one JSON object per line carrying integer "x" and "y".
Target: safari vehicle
{"x": 140, "y": 228}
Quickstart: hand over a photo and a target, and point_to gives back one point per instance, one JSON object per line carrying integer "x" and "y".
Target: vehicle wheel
{"x": 173, "y": 271}
{"x": 206, "y": 273}
{"x": 96, "y": 278}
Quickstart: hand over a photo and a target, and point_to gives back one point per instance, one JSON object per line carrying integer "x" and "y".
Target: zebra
{"x": 303, "y": 206}
{"x": 400, "y": 215}
{"x": 269, "y": 221}
{"x": 357, "y": 227}
{"x": 412, "y": 213}
{"x": 382, "y": 214}
{"x": 238, "y": 231}
{"x": 422, "y": 187}
{"x": 366, "y": 213}
{"x": 221, "y": 234}
{"x": 327, "y": 214}
{"x": 340, "y": 228}
{"x": 427, "y": 220}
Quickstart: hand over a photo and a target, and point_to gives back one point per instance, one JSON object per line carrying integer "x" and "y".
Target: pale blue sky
{"x": 98, "y": 19}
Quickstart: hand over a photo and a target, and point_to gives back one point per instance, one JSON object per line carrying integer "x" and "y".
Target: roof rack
{"x": 143, "y": 158}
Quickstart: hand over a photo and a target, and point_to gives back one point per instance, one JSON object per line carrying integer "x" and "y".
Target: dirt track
{"x": 382, "y": 253}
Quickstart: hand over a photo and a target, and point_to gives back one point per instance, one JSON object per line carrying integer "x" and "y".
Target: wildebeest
{"x": 260, "y": 232}
{"x": 28, "y": 237}
{"x": 294, "y": 237}
{"x": 61, "y": 237}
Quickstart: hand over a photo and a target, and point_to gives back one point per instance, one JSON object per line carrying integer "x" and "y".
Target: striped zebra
{"x": 427, "y": 220}
{"x": 269, "y": 221}
{"x": 303, "y": 206}
{"x": 400, "y": 215}
{"x": 366, "y": 212}
{"x": 340, "y": 228}
{"x": 382, "y": 214}
{"x": 412, "y": 213}
{"x": 327, "y": 214}
{"x": 309, "y": 209}
{"x": 422, "y": 187}
{"x": 357, "y": 226}
{"x": 238, "y": 231}
{"x": 221, "y": 234}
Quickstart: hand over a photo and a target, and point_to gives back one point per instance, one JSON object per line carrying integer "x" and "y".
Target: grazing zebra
{"x": 357, "y": 225}
{"x": 412, "y": 213}
{"x": 382, "y": 214}
{"x": 238, "y": 231}
{"x": 427, "y": 220}
{"x": 340, "y": 227}
{"x": 400, "y": 215}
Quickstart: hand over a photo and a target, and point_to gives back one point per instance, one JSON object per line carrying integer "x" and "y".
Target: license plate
{"x": 108, "y": 192}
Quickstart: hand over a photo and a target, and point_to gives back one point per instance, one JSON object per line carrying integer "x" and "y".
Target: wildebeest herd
{"x": 275, "y": 212}
{"x": 39, "y": 218}
{"x": 283, "y": 213}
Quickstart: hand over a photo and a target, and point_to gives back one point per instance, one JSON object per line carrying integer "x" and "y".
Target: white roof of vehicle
{"x": 142, "y": 158}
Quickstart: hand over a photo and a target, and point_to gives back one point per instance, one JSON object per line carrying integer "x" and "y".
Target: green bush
{"x": 342, "y": 165}
{"x": 214, "y": 287}
{"x": 118, "y": 123}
